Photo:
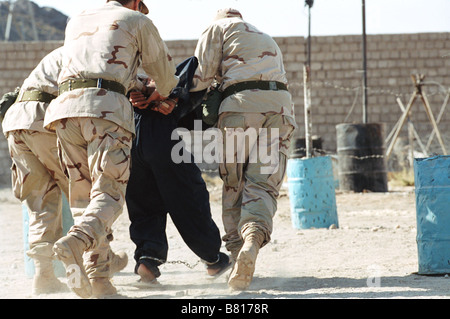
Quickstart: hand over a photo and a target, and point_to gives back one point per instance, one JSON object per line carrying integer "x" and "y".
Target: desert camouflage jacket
{"x": 29, "y": 115}
{"x": 110, "y": 42}
{"x": 231, "y": 50}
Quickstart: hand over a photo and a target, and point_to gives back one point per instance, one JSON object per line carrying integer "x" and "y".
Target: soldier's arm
{"x": 209, "y": 55}
{"x": 156, "y": 59}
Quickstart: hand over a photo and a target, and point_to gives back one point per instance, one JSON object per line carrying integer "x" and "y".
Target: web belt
{"x": 253, "y": 85}
{"x": 35, "y": 95}
{"x": 74, "y": 84}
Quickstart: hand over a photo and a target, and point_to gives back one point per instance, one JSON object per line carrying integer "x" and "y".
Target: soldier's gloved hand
{"x": 165, "y": 106}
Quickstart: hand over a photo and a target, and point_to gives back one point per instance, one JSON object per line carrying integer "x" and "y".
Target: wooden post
{"x": 433, "y": 121}
{"x": 438, "y": 120}
{"x": 416, "y": 135}
{"x": 401, "y": 123}
{"x": 418, "y": 82}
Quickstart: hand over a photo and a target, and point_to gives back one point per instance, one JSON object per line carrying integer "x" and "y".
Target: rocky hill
{"x": 50, "y": 23}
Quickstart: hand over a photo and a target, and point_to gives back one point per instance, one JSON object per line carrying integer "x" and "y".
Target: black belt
{"x": 74, "y": 84}
{"x": 253, "y": 85}
{"x": 35, "y": 95}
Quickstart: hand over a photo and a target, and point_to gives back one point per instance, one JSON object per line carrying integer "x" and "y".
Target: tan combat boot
{"x": 69, "y": 249}
{"x": 102, "y": 287}
{"x": 242, "y": 274}
{"x": 234, "y": 252}
{"x": 118, "y": 262}
{"x": 44, "y": 280}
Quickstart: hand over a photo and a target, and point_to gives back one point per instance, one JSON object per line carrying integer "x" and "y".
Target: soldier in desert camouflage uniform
{"x": 37, "y": 177}
{"x": 93, "y": 120}
{"x": 249, "y": 67}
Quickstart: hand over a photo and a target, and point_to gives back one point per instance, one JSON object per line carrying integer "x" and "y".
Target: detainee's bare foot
{"x": 147, "y": 276}
{"x": 222, "y": 265}
{"x": 212, "y": 272}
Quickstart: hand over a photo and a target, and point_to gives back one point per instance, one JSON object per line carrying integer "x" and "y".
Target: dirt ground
{"x": 373, "y": 254}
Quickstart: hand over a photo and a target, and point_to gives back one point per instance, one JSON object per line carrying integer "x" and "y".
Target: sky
{"x": 186, "y": 19}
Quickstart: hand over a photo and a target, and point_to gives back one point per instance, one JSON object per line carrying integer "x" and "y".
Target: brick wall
{"x": 336, "y": 63}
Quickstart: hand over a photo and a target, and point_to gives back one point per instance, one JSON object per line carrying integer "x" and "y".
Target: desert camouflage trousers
{"x": 39, "y": 183}
{"x": 252, "y": 183}
{"x": 96, "y": 155}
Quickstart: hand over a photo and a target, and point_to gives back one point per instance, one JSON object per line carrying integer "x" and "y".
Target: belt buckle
{"x": 99, "y": 83}
{"x": 273, "y": 86}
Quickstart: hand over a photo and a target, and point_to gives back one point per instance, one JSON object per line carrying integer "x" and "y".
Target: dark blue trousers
{"x": 157, "y": 187}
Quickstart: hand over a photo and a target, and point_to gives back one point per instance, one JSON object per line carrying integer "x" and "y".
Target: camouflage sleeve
{"x": 136, "y": 84}
{"x": 44, "y": 76}
{"x": 156, "y": 59}
{"x": 209, "y": 55}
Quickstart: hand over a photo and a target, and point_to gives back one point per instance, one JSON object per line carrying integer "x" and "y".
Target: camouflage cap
{"x": 228, "y": 13}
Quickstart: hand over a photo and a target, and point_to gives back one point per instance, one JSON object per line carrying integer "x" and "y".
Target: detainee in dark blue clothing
{"x": 158, "y": 186}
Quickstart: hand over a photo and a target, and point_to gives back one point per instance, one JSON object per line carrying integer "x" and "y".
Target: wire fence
{"x": 439, "y": 93}
{"x": 405, "y": 149}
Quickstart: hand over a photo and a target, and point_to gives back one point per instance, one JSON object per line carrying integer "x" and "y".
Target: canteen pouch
{"x": 7, "y": 100}
{"x": 211, "y": 105}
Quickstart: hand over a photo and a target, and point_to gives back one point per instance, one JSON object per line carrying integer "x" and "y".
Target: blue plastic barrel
{"x": 432, "y": 184}
{"x": 312, "y": 192}
{"x": 67, "y": 222}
